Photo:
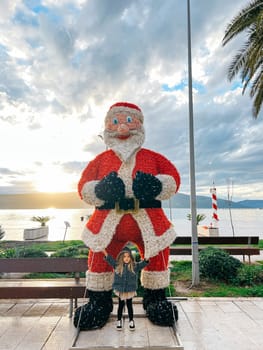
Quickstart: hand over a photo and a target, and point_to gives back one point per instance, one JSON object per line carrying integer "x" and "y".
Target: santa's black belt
{"x": 126, "y": 205}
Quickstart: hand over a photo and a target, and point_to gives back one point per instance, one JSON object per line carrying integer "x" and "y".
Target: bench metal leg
{"x": 70, "y": 308}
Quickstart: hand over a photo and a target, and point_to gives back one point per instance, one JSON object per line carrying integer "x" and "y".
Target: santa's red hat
{"x": 126, "y": 107}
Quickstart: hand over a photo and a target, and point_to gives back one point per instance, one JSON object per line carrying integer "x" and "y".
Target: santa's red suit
{"x": 140, "y": 222}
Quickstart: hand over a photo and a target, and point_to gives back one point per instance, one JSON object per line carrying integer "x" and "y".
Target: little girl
{"x": 125, "y": 282}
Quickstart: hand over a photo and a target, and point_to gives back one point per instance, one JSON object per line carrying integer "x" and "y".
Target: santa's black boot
{"x": 96, "y": 312}
{"x": 158, "y": 309}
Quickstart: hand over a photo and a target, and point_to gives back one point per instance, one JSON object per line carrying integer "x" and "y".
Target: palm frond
{"x": 258, "y": 100}
{"x": 257, "y": 82}
{"x": 248, "y": 62}
{"x": 243, "y": 20}
{"x": 237, "y": 64}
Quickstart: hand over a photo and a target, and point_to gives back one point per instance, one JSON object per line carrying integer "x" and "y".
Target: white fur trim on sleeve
{"x": 88, "y": 194}
{"x": 169, "y": 187}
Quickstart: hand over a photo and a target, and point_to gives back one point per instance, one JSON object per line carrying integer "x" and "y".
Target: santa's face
{"x": 122, "y": 124}
{"x": 124, "y": 133}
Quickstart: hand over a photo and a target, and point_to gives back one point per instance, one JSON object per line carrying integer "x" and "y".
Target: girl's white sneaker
{"x": 131, "y": 325}
{"x": 119, "y": 325}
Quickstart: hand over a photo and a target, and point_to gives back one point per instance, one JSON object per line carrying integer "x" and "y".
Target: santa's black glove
{"x": 110, "y": 188}
{"x": 146, "y": 186}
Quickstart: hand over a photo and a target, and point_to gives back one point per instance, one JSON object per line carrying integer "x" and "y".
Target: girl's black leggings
{"x": 129, "y": 307}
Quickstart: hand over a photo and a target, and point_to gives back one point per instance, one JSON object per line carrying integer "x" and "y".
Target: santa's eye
{"x": 129, "y": 119}
{"x": 115, "y": 121}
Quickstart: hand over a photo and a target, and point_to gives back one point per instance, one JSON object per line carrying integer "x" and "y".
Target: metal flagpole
{"x": 195, "y": 262}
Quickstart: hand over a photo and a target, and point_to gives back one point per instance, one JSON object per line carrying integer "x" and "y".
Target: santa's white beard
{"x": 125, "y": 148}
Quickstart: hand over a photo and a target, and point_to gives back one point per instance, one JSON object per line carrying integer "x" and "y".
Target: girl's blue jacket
{"x": 127, "y": 281}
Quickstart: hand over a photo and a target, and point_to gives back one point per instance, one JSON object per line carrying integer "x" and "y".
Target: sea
{"x": 68, "y": 224}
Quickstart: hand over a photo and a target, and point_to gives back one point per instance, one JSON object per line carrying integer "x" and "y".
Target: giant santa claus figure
{"x": 126, "y": 184}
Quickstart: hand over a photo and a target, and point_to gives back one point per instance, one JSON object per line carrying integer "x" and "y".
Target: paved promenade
{"x": 204, "y": 324}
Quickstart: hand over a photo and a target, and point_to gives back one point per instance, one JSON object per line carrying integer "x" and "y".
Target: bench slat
{"x": 231, "y": 250}
{"x": 218, "y": 240}
{"x": 41, "y": 289}
{"x": 43, "y": 265}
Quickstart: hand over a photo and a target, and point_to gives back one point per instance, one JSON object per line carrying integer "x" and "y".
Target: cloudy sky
{"x": 64, "y": 62}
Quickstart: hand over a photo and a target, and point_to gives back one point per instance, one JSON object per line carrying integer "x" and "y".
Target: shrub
{"x": 69, "y": 252}
{"x": 83, "y": 252}
{"x": 8, "y": 253}
{"x": 249, "y": 275}
{"x": 30, "y": 253}
{"x": 22, "y": 253}
{"x": 217, "y": 264}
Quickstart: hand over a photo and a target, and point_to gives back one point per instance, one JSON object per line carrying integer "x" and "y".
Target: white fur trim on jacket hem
{"x": 153, "y": 244}
{"x": 88, "y": 194}
{"x": 155, "y": 279}
{"x": 100, "y": 241}
{"x": 169, "y": 187}
{"x": 99, "y": 282}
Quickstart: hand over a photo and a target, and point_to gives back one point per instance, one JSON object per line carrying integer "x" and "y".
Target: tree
{"x": 199, "y": 218}
{"x": 2, "y": 232}
{"x": 41, "y": 219}
{"x": 249, "y": 60}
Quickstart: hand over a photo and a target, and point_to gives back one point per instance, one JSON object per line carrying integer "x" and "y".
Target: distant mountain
{"x": 41, "y": 201}
{"x": 252, "y": 203}
{"x": 181, "y": 200}
{"x": 71, "y": 200}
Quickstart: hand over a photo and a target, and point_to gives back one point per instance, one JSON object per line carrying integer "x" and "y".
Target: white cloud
{"x": 64, "y": 62}
{"x": 228, "y": 98}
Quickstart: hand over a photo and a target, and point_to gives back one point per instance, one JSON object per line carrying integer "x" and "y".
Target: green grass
{"x": 53, "y": 246}
{"x": 47, "y": 275}
{"x": 181, "y": 275}
{"x": 224, "y": 290}
{"x": 181, "y": 270}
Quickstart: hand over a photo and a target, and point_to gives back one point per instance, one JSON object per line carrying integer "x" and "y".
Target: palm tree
{"x": 2, "y": 232}
{"x": 249, "y": 61}
{"x": 199, "y": 218}
{"x": 41, "y": 219}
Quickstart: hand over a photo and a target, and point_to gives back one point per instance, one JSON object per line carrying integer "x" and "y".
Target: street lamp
{"x": 67, "y": 225}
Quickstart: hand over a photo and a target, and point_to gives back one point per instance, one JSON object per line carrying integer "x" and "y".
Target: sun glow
{"x": 52, "y": 179}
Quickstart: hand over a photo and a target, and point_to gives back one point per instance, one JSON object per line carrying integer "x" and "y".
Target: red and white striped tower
{"x": 214, "y": 206}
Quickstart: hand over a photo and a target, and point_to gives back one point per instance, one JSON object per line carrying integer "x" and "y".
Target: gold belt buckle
{"x": 128, "y": 211}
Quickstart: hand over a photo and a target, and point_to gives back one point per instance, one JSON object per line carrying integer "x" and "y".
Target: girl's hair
{"x": 120, "y": 263}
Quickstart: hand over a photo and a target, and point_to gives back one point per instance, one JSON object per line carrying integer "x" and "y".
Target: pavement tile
{"x": 204, "y": 324}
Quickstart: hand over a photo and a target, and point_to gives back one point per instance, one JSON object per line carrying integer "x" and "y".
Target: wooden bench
{"x": 65, "y": 288}
{"x": 238, "y": 245}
